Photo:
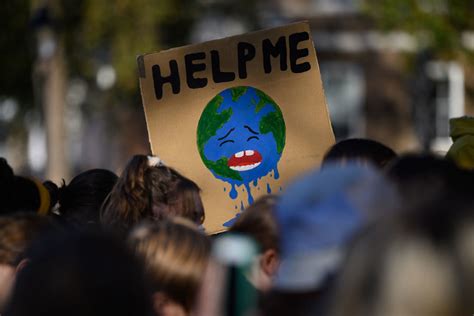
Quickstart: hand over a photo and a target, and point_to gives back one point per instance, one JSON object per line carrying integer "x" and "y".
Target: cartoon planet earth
{"x": 241, "y": 137}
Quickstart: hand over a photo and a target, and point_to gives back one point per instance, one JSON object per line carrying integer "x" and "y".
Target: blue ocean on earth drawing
{"x": 241, "y": 136}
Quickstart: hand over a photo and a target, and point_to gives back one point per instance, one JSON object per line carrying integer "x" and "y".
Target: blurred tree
{"x": 91, "y": 34}
{"x": 440, "y": 28}
{"x": 16, "y": 63}
{"x": 94, "y": 32}
{"x": 437, "y": 24}
{"x": 116, "y": 31}
{"x": 110, "y": 34}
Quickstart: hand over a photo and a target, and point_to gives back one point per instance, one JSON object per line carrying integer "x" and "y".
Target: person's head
{"x": 359, "y": 150}
{"x": 21, "y": 194}
{"x": 318, "y": 215}
{"x": 320, "y": 212}
{"x": 17, "y": 231}
{"x": 258, "y": 222}
{"x": 80, "y": 274}
{"x": 148, "y": 190}
{"x": 424, "y": 180}
{"x": 411, "y": 265}
{"x": 175, "y": 254}
{"x": 80, "y": 201}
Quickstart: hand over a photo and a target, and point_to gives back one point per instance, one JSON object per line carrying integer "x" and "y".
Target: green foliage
{"x": 92, "y": 33}
{"x": 96, "y": 32}
{"x": 120, "y": 30}
{"x": 210, "y": 122}
{"x": 437, "y": 24}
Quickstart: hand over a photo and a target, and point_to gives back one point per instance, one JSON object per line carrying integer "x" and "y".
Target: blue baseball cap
{"x": 319, "y": 213}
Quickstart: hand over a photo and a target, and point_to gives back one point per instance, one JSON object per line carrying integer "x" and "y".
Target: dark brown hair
{"x": 360, "y": 150}
{"x": 80, "y": 201}
{"x": 258, "y": 222}
{"x": 145, "y": 192}
{"x": 79, "y": 274}
{"x": 17, "y": 231}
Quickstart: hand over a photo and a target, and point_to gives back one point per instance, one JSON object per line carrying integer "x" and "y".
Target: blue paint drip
{"x": 249, "y": 193}
{"x": 232, "y": 221}
{"x": 255, "y": 182}
{"x": 233, "y": 192}
{"x": 277, "y": 174}
{"x": 269, "y": 190}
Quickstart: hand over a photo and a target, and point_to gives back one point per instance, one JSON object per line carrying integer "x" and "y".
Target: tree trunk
{"x": 54, "y": 100}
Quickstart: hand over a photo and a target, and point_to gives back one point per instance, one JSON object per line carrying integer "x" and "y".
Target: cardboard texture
{"x": 240, "y": 116}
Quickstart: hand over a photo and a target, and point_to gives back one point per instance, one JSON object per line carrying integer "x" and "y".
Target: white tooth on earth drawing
{"x": 249, "y": 152}
{"x": 245, "y": 168}
{"x": 239, "y": 154}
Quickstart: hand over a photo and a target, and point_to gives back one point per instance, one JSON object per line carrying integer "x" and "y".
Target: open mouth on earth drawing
{"x": 245, "y": 160}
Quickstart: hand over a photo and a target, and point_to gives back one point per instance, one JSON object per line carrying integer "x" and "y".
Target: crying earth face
{"x": 241, "y": 136}
{"x": 246, "y": 159}
{"x": 247, "y": 151}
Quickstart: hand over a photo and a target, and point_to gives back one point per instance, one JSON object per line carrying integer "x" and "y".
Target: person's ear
{"x": 159, "y": 302}
{"x": 269, "y": 262}
{"x": 23, "y": 263}
{"x": 163, "y": 305}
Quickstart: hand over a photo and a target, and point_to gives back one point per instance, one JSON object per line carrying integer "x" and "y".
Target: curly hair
{"x": 145, "y": 192}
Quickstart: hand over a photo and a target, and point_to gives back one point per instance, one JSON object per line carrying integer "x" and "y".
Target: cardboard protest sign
{"x": 240, "y": 116}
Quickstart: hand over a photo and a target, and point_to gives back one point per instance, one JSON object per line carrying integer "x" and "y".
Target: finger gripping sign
{"x": 241, "y": 116}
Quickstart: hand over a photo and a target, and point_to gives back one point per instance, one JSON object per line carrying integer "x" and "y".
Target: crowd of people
{"x": 366, "y": 233}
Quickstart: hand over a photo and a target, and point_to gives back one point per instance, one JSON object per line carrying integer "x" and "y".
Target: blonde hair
{"x": 175, "y": 255}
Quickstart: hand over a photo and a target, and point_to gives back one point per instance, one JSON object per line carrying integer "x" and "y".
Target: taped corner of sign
{"x": 141, "y": 66}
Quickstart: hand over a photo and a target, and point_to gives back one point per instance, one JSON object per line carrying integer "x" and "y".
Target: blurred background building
{"x": 393, "y": 70}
